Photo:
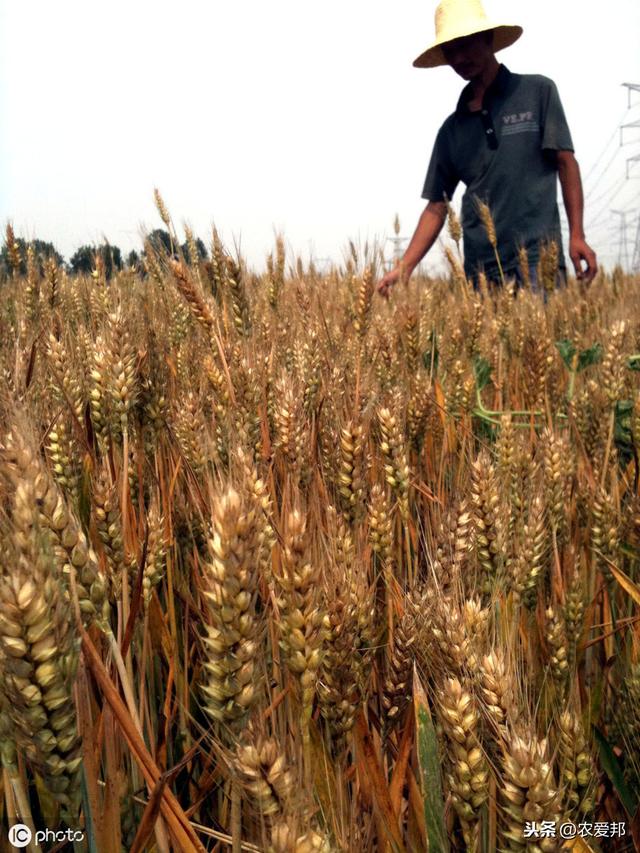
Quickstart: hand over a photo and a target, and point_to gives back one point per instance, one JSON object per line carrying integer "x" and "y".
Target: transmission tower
{"x": 322, "y": 264}
{"x": 625, "y": 226}
{"x": 630, "y": 87}
{"x": 623, "y": 248}
{"x": 397, "y": 240}
{"x": 635, "y": 263}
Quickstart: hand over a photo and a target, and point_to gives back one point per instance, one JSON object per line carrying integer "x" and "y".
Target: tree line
{"x": 85, "y": 257}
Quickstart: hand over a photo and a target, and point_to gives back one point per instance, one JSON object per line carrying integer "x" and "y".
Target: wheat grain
{"x": 231, "y": 641}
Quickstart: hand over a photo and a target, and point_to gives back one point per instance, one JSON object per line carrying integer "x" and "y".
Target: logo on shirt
{"x": 523, "y": 122}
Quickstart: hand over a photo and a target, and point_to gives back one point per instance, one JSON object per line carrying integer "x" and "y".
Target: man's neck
{"x": 481, "y": 83}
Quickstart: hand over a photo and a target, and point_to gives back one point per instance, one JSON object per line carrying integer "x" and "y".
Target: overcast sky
{"x": 263, "y": 116}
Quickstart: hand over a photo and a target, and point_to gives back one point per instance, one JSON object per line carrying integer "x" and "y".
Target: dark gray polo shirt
{"x": 504, "y": 154}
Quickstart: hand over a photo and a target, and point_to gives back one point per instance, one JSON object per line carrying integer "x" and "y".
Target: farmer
{"x": 507, "y": 140}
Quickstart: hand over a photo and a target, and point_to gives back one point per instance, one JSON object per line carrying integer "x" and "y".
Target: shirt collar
{"x": 497, "y": 87}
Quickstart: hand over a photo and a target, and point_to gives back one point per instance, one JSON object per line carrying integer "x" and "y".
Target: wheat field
{"x": 288, "y": 567}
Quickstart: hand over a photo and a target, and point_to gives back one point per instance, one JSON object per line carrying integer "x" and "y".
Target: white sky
{"x": 261, "y": 116}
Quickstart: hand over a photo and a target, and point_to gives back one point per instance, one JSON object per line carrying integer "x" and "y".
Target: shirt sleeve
{"x": 442, "y": 178}
{"x": 555, "y": 130}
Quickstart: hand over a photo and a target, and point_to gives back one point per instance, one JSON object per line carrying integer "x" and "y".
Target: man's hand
{"x": 571, "y": 183}
{"x": 427, "y": 230}
{"x": 385, "y": 284}
{"x": 579, "y": 251}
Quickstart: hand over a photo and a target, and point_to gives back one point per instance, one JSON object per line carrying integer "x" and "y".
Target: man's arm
{"x": 426, "y": 233}
{"x": 579, "y": 250}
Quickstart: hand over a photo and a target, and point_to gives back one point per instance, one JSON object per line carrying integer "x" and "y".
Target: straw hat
{"x": 458, "y": 18}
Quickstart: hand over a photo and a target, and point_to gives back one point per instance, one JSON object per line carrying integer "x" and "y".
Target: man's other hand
{"x": 579, "y": 251}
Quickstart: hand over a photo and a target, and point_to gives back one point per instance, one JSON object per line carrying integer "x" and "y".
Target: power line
{"x": 605, "y": 170}
{"x": 594, "y": 201}
{"x": 609, "y": 194}
{"x": 609, "y": 141}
